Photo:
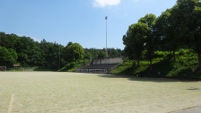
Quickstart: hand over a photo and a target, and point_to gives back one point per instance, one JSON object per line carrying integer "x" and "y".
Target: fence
{"x": 92, "y": 70}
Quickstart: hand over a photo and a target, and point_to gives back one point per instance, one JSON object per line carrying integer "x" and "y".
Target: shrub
{"x": 161, "y": 54}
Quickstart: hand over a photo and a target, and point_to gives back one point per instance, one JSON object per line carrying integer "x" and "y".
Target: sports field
{"x": 53, "y": 92}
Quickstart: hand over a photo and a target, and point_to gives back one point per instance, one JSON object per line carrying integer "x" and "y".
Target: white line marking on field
{"x": 10, "y": 107}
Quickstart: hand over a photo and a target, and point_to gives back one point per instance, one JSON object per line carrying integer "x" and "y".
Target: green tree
{"x": 101, "y": 54}
{"x": 165, "y": 31}
{"x": 134, "y": 40}
{"x": 51, "y": 54}
{"x": 149, "y": 19}
{"x": 73, "y": 52}
{"x": 114, "y": 52}
{"x": 186, "y": 17}
{"x": 162, "y": 22}
{"x": 196, "y": 33}
{"x": 93, "y": 53}
{"x": 8, "y": 40}
{"x": 28, "y": 50}
{"x": 7, "y": 56}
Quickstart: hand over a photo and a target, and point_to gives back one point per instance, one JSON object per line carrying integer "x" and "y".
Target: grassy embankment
{"x": 69, "y": 67}
{"x": 185, "y": 66}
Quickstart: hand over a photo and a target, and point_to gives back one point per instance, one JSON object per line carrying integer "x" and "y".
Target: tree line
{"x": 25, "y": 51}
{"x": 176, "y": 28}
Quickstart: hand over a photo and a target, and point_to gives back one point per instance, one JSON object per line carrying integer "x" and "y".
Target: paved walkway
{"x": 192, "y": 110}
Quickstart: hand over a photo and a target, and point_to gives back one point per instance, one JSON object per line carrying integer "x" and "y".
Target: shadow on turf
{"x": 162, "y": 71}
{"x": 46, "y": 69}
{"x": 146, "y": 79}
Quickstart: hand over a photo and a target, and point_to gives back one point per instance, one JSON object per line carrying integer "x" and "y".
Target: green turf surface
{"x": 53, "y": 92}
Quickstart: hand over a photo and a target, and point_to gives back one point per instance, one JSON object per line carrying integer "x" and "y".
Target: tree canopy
{"x": 8, "y": 56}
{"x": 176, "y": 28}
{"x": 25, "y": 51}
{"x": 135, "y": 40}
{"x": 73, "y": 52}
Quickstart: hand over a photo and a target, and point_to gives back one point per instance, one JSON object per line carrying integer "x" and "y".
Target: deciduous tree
{"x": 149, "y": 19}
{"x": 134, "y": 40}
{"x": 73, "y": 52}
{"x": 7, "y": 56}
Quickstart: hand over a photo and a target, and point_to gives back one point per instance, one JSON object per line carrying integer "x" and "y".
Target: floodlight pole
{"x": 106, "y": 37}
{"x": 59, "y": 57}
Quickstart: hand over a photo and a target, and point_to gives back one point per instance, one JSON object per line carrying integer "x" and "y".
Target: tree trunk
{"x": 138, "y": 63}
{"x": 198, "y": 50}
{"x": 199, "y": 61}
{"x": 150, "y": 61}
{"x": 174, "y": 56}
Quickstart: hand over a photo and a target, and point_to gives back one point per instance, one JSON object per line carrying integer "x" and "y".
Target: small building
{"x": 16, "y": 65}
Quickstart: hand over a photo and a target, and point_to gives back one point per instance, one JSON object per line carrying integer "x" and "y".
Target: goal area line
{"x": 10, "y": 107}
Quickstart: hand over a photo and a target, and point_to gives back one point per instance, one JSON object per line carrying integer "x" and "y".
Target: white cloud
{"x": 104, "y": 3}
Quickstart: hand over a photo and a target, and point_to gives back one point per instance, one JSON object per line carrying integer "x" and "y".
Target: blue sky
{"x": 80, "y": 21}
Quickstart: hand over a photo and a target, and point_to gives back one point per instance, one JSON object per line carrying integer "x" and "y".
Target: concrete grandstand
{"x": 101, "y": 65}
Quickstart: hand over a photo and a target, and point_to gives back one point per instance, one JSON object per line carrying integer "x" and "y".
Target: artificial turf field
{"x": 62, "y": 92}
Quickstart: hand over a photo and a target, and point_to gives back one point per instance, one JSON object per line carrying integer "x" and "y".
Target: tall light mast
{"x": 106, "y": 38}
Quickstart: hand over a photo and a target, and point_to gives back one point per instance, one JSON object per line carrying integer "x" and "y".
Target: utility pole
{"x": 106, "y": 38}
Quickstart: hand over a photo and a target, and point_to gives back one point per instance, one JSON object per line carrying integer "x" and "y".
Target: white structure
{"x": 101, "y": 65}
{"x": 116, "y": 60}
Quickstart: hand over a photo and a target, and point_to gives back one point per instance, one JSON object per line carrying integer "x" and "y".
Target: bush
{"x": 184, "y": 52}
{"x": 161, "y": 54}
